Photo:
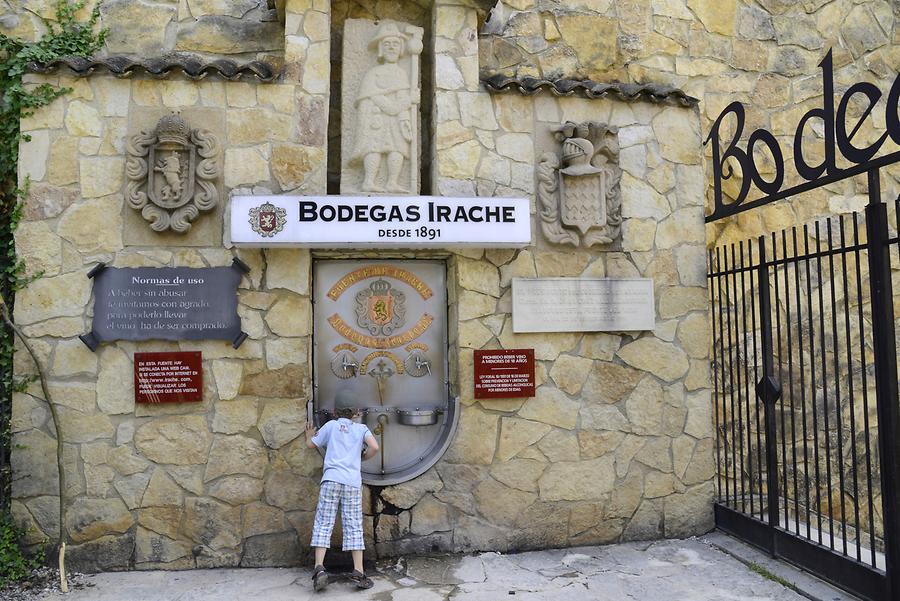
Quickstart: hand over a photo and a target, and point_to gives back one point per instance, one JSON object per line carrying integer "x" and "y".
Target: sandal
{"x": 361, "y": 580}
{"x": 320, "y": 578}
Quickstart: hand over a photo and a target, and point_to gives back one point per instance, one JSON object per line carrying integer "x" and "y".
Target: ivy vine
{"x": 65, "y": 36}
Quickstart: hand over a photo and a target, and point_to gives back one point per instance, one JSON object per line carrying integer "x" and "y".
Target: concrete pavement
{"x": 682, "y": 570}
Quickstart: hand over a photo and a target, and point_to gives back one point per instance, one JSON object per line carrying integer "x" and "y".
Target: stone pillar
{"x": 459, "y": 109}
{"x": 307, "y": 64}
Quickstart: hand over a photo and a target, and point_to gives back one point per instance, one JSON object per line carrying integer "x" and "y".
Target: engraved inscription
{"x": 582, "y": 305}
{"x": 341, "y": 327}
{"x": 165, "y": 303}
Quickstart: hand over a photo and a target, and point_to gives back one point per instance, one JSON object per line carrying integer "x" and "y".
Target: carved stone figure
{"x": 174, "y": 174}
{"x": 171, "y": 173}
{"x": 384, "y": 114}
{"x": 579, "y": 195}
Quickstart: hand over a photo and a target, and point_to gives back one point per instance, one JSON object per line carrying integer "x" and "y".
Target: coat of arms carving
{"x": 578, "y": 191}
{"x": 380, "y": 308}
{"x": 171, "y": 173}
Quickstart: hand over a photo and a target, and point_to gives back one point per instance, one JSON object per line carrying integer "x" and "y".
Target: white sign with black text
{"x": 379, "y": 221}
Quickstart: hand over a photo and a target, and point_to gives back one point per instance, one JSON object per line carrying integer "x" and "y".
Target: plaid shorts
{"x": 350, "y": 499}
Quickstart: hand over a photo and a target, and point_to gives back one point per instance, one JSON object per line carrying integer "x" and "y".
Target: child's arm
{"x": 372, "y": 447}
{"x": 311, "y": 432}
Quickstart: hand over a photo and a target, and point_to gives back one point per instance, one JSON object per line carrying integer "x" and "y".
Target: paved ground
{"x": 686, "y": 570}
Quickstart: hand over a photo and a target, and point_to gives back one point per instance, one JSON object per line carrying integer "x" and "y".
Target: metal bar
{"x": 842, "y": 174}
{"x": 790, "y": 380}
{"x": 807, "y": 500}
{"x": 741, "y": 333}
{"x": 766, "y": 389}
{"x": 812, "y": 383}
{"x": 857, "y": 578}
{"x": 722, "y": 376}
{"x": 850, "y": 391}
{"x": 740, "y": 418}
{"x": 784, "y": 462}
{"x": 839, "y": 416}
{"x": 754, "y": 406}
{"x": 746, "y": 527}
{"x": 885, "y": 347}
{"x": 865, "y": 391}
{"x": 734, "y": 470}
{"x": 783, "y": 261}
{"x": 824, "y": 377}
{"x": 716, "y": 367}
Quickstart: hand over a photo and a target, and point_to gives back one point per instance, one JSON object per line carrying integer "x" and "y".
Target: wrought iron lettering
{"x": 838, "y": 143}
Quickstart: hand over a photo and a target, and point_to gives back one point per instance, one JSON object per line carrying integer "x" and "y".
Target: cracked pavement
{"x": 684, "y": 570}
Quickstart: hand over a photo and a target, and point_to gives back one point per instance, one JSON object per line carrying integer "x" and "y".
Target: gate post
{"x": 885, "y": 348}
{"x": 768, "y": 390}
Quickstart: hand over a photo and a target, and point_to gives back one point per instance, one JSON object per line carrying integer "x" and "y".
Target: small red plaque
{"x": 168, "y": 377}
{"x": 504, "y": 373}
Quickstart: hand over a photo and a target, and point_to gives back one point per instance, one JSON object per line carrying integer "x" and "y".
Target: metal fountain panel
{"x": 381, "y": 336}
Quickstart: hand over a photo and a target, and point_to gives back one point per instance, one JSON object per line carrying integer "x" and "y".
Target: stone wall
{"x": 616, "y": 444}
{"x": 764, "y": 53}
{"x": 152, "y": 29}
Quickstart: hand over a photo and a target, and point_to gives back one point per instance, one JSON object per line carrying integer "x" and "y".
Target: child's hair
{"x": 345, "y": 403}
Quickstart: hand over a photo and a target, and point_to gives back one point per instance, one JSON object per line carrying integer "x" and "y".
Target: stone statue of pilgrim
{"x": 386, "y": 106}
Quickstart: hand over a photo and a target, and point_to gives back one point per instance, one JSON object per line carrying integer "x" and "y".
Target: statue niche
{"x": 380, "y": 108}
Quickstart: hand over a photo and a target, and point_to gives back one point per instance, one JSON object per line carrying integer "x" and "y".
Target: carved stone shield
{"x": 171, "y": 173}
{"x": 578, "y": 190}
{"x": 583, "y": 203}
{"x": 380, "y": 308}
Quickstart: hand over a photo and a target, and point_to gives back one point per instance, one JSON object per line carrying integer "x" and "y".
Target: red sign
{"x": 504, "y": 373}
{"x": 168, "y": 377}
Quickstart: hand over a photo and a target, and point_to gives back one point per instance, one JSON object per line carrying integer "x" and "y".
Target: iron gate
{"x": 805, "y": 396}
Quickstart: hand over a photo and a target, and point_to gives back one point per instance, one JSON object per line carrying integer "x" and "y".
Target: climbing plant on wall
{"x": 65, "y": 36}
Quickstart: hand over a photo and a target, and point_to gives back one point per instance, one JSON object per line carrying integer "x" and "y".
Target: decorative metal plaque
{"x": 380, "y": 345}
{"x": 578, "y": 191}
{"x": 166, "y": 303}
{"x": 171, "y": 173}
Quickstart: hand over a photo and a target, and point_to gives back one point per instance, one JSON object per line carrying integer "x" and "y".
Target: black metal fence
{"x": 805, "y": 396}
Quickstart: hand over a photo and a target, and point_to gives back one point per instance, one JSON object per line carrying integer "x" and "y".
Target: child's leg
{"x": 357, "y": 560}
{"x": 351, "y": 522}
{"x": 326, "y": 511}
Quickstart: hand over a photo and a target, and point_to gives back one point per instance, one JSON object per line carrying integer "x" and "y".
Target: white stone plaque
{"x": 582, "y": 305}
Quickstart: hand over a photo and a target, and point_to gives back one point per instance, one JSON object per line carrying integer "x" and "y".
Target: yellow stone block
{"x": 177, "y": 93}
{"x": 717, "y": 16}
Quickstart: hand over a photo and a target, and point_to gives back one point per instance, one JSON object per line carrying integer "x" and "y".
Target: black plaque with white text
{"x": 166, "y": 303}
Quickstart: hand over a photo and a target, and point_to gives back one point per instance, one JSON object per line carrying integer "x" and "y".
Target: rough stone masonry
{"x": 617, "y": 443}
